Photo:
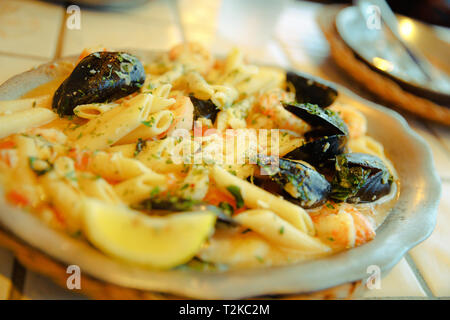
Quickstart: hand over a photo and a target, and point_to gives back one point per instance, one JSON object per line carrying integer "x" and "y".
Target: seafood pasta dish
{"x": 191, "y": 161}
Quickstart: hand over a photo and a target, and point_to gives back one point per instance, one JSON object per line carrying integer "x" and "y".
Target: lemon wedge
{"x": 157, "y": 242}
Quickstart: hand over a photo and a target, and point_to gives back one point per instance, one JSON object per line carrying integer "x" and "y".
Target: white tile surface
{"x": 440, "y": 155}
{"x": 443, "y": 133}
{"x": 270, "y": 53}
{"x": 199, "y": 12}
{"x": 432, "y": 257}
{"x": 301, "y": 37}
{"x": 153, "y": 11}
{"x": 112, "y": 30}
{"x": 29, "y": 27}
{"x": 399, "y": 282}
{"x": 11, "y": 66}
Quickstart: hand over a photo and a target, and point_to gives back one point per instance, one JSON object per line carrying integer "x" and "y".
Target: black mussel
{"x": 204, "y": 109}
{"x": 300, "y": 182}
{"x": 311, "y": 91}
{"x": 319, "y": 148}
{"x": 327, "y": 138}
{"x": 325, "y": 120}
{"x": 99, "y": 77}
{"x": 360, "y": 178}
{"x": 173, "y": 203}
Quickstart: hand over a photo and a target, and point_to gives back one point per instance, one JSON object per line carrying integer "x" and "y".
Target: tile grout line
{"x": 175, "y": 8}
{"x": 22, "y": 56}
{"x": 419, "y": 276}
{"x": 283, "y": 51}
{"x": 62, "y": 33}
{"x": 17, "y": 281}
{"x": 437, "y": 136}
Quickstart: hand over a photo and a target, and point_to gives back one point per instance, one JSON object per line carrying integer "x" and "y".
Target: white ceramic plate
{"x": 381, "y": 51}
{"x": 410, "y": 222}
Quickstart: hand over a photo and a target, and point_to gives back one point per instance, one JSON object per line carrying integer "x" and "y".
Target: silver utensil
{"x": 377, "y": 46}
{"x": 390, "y": 20}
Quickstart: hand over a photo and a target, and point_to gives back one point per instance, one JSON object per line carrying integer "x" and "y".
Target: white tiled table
{"x": 33, "y": 32}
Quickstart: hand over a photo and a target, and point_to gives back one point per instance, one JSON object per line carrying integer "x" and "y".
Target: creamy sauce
{"x": 382, "y": 207}
{"x": 232, "y": 247}
{"x": 47, "y": 88}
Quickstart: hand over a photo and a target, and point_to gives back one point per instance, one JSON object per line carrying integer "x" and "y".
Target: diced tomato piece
{"x": 58, "y": 216}
{"x": 8, "y": 144}
{"x": 81, "y": 158}
{"x": 17, "y": 199}
{"x": 215, "y": 196}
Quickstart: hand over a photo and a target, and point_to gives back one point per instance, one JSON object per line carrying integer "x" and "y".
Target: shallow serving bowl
{"x": 411, "y": 221}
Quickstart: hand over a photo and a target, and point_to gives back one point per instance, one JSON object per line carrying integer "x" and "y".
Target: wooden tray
{"x": 384, "y": 88}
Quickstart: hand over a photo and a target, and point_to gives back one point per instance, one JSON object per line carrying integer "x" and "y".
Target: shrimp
{"x": 270, "y": 105}
{"x": 355, "y": 120}
{"x": 183, "y": 111}
{"x": 342, "y": 226}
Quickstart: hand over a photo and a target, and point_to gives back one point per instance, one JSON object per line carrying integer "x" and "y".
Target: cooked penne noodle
{"x": 127, "y": 150}
{"x": 135, "y": 190}
{"x": 258, "y": 198}
{"x": 158, "y": 156}
{"x": 278, "y": 231}
{"x": 66, "y": 199}
{"x": 11, "y": 106}
{"x": 23, "y": 120}
{"x": 22, "y": 178}
{"x": 157, "y": 124}
{"x": 92, "y": 110}
{"x": 115, "y": 167}
{"x": 111, "y": 126}
{"x": 96, "y": 187}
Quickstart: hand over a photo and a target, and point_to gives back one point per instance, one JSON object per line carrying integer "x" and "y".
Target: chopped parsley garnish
{"x": 236, "y": 192}
{"x": 227, "y": 208}
{"x": 260, "y": 259}
{"x": 140, "y": 145}
{"x": 154, "y": 191}
{"x": 149, "y": 123}
{"x": 39, "y": 167}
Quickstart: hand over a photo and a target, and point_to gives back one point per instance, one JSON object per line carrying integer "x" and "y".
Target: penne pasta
{"x": 12, "y": 106}
{"x": 258, "y": 198}
{"x": 135, "y": 190}
{"x": 65, "y": 199}
{"x": 23, "y": 120}
{"x": 96, "y": 187}
{"x": 115, "y": 167}
{"x": 92, "y": 110}
{"x": 113, "y": 125}
{"x": 157, "y": 124}
{"x": 278, "y": 231}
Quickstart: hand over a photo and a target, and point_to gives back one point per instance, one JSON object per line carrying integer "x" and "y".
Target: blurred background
{"x": 286, "y": 33}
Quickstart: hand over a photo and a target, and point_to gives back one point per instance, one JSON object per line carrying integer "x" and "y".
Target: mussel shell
{"x": 360, "y": 178}
{"x": 311, "y": 91}
{"x": 301, "y": 183}
{"x": 99, "y": 77}
{"x": 204, "y": 109}
{"x": 174, "y": 204}
{"x": 324, "y": 119}
{"x": 318, "y": 150}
